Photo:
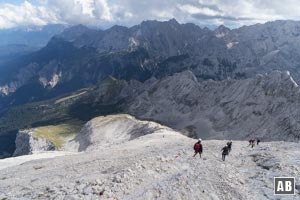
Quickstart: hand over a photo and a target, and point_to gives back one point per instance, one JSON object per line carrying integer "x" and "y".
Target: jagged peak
{"x": 221, "y": 31}
{"x": 222, "y": 28}
{"x": 118, "y": 28}
{"x": 173, "y": 20}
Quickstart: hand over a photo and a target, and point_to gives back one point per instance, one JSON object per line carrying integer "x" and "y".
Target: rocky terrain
{"x": 265, "y": 106}
{"x": 148, "y": 161}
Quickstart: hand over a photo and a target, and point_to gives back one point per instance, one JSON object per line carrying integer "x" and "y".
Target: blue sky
{"x": 105, "y": 13}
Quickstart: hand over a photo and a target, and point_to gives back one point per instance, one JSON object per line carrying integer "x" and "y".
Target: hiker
{"x": 257, "y": 141}
{"x": 250, "y": 141}
{"x": 229, "y": 144}
{"x": 224, "y": 152}
{"x": 198, "y": 147}
{"x": 253, "y": 143}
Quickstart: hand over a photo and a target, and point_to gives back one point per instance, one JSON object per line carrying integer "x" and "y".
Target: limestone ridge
{"x": 112, "y": 130}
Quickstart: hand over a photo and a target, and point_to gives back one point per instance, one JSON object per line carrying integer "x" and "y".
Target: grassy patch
{"x": 58, "y": 134}
{"x": 69, "y": 97}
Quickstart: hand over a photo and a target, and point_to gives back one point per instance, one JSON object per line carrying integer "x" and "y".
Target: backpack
{"x": 225, "y": 150}
{"x": 197, "y": 147}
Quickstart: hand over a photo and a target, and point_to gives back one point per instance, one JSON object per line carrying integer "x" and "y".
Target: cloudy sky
{"x": 105, "y": 13}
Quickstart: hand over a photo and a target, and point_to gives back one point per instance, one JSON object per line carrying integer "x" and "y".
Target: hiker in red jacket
{"x": 198, "y": 148}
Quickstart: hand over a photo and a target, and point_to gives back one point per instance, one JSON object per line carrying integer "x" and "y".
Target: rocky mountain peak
{"x": 72, "y": 33}
{"x": 221, "y": 31}
{"x": 118, "y": 28}
{"x": 173, "y": 21}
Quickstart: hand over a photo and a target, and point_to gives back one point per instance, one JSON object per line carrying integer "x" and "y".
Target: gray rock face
{"x": 26, "y": 144}
{"x": 265, "y": 106}
{"x": 263, "y": 47}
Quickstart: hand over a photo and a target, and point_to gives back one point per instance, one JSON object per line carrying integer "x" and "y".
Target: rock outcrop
{"x": 27, "y": 143}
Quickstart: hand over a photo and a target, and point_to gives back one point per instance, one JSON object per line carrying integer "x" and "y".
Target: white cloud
{"x": 105, "y": 13}
{"x": 101, "y": 10}
{"x": 196, "y": 10}
{"x": 88, "y": 12}
{"x": 25, "y": 14}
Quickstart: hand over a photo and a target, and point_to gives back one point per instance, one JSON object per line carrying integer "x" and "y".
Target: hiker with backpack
{"x": 198, "y": 148}
{"x": 257, "y": 141}
{"x": 224, "y": 152}
{"x": 229, "y": 145}
{"x": 251, "y": 143}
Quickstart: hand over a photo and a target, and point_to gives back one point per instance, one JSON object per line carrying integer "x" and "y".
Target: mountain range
{"x": 211, "y": 83}
{"x": 80, "y": 56}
